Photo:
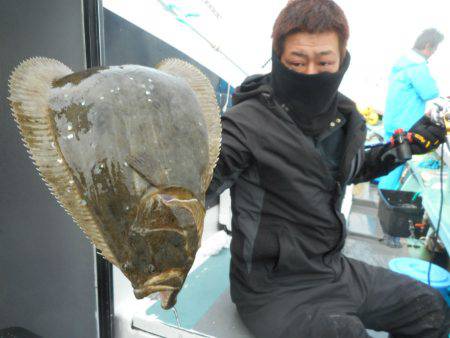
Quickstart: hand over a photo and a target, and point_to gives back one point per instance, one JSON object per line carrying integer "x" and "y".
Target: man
{"x": 410, "y": 87}
{"x": 411, "y": 84}
{"x": 290, "y": 144}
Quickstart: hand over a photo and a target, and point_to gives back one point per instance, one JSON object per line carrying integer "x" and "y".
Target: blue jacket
{"x": 410, "y": 86}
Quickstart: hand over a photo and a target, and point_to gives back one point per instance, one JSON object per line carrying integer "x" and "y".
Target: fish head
{"x": 164, "y": 238}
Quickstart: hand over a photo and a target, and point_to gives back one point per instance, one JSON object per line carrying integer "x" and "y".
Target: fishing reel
{"x": 440, "y": 112}
{"x": 400, "y": 147}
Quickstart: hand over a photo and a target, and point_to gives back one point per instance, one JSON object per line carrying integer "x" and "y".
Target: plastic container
{"x": 418, "y": 269}
{"x": 397, "y": 209}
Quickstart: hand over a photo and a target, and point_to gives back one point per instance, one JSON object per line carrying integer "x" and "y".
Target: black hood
{"x": 255, "y": 85}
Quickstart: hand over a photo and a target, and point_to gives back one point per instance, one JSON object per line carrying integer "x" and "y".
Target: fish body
{"x": 129, "y": 152}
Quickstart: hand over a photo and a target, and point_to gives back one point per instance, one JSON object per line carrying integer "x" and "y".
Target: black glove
{"x": 426, "y": 136}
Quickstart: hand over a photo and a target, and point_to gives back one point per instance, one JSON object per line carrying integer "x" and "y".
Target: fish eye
{"x": 166, "y": 198}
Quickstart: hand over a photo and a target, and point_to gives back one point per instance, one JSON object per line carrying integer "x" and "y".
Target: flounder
{"x": 129, "y": 152}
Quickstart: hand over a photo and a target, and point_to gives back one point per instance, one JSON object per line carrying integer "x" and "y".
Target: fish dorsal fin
{"x": 206, "y": 97}
{"x": 30, "y": 85}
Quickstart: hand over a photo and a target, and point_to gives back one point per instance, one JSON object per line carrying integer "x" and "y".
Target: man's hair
{"x": 310, "y": 16}
{"x": 429, "y": 38}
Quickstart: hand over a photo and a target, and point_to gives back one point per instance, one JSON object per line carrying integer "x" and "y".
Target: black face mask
{"x": 311, "y": 99}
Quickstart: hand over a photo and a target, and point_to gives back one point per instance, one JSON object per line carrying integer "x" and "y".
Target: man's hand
{"x": 425, "y": 136}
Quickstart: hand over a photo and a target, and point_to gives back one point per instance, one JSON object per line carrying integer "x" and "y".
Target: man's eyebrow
{"x": 304, "y": 55}
{"x": 300, "y": 54}
{"x": 326, "y": 52}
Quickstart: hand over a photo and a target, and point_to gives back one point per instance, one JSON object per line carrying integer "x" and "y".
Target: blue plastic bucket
{"x": 418, "y": 269}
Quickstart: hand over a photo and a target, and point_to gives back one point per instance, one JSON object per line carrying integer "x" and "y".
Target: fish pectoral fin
{"x": 143, "y": 165}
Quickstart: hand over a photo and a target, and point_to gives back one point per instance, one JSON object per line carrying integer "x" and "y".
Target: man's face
{"x": 428, "y": 51}
{"x": 311, "y": 53}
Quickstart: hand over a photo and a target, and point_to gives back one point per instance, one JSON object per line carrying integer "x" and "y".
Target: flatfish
{"x": 129, "y": 152}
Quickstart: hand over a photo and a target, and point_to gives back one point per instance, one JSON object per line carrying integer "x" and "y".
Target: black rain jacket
{"x": 287, "y": 227}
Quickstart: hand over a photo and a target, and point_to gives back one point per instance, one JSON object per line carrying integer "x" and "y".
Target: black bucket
{"x": 397, "y": 210}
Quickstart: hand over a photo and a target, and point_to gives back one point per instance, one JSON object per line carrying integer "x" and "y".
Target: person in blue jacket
{"x": 410, "y": 87}
{"x": 411, "y": 84}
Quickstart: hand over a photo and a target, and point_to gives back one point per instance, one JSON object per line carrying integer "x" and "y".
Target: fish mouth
{"x": 168, "y": 294}
{"x": 168, "y": 284}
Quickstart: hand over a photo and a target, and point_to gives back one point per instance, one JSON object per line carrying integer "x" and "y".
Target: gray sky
{"x": 380, "y": 31}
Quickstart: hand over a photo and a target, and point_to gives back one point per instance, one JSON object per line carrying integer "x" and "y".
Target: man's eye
{"x": 297, "y": 64}
{"x": 325, "y": 63}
